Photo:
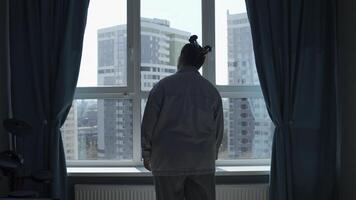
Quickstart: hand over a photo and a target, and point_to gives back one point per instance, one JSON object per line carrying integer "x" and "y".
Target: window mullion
{"x": 134, "y": 53}
{"x": 208, "y": 36}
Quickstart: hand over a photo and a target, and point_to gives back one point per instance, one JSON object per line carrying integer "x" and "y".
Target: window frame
{"x": 133, "y": 89}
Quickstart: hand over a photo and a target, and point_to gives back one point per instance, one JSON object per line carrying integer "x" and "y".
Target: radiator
{"x": 146, "y": 192}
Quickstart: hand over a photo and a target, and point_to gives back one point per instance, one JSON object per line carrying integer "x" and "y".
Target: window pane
{"x": 248, "y": 129}
{"x": 164, "y": 31}
{"x": 99, "y": 129}
{"x": 235, "y": 57}
{"x": 104, "y": 48}
{"x": 143, "y": 106}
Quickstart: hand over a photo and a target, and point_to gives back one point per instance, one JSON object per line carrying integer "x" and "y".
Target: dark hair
{"x": 193, "y": 54}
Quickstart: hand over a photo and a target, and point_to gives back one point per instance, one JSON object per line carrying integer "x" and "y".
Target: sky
{"x": 182, "y": 14}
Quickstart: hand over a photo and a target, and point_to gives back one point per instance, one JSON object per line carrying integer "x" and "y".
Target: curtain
{"x": 46, "y": 39}
{"x": 4, "y": 73}
{"x": 294, "y": 46}
{"x": 5, "y": 111}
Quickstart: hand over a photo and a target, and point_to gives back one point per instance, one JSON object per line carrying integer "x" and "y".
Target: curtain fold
{"x": 295, "y": 53}
{"x": 4, "y": 72}
{"x": 4, "y": 83}
{"x": 46, "y": 39}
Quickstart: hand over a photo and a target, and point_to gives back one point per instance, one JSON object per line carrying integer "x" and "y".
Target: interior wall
{"x": 347, "y": 64}
{"x": 4, "y": 142}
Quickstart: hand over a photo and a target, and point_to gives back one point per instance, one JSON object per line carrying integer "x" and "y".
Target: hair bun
{"x": 193, "y": 39}
{"x": 206, "y": 49}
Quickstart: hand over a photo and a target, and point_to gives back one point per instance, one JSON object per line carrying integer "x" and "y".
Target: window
{"x": 129, "y": 45}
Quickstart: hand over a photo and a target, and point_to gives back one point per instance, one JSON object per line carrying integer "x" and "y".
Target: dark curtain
{"x": 294, "y": 46}
{"x": 4, "y": 83}
{"x": 4, "y": 73}
{"x": 46, "y": 39}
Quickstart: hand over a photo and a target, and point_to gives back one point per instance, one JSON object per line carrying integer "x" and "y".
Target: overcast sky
{"x": 182, "y": 14}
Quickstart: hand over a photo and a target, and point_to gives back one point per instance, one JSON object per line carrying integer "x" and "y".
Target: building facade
{"x": 250, "y": 129}
{"x": 70, "y": 134}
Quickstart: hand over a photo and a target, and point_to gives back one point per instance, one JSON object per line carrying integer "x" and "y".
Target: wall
{"x": 347, "y": 64}
{"x": 147, "y": 180}
{"x": 3, "y": 78}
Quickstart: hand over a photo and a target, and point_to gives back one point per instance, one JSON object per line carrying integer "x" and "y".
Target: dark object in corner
{"x": 12, "y": 163}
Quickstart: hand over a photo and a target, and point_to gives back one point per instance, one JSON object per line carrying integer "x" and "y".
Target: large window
{"x": 129, "y": 45}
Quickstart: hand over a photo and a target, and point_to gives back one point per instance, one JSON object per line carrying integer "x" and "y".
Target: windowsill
{"x": 142, "y": 172}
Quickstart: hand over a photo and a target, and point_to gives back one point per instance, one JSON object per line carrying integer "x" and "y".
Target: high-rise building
{"x": 87, "y": 112}
{"x": 250, "y": 128}
{"x": 87, "y": 143}
{"x": 112, "y": 56}
{"x": 224, "y": 148}
{"x": 79, "y": 132}
{"x": 160, "y": 47}
{"x": 70, "y": 134}
{"x": 114, "y": 115}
